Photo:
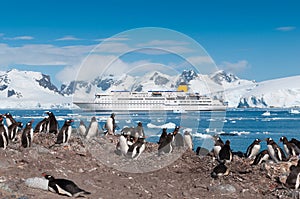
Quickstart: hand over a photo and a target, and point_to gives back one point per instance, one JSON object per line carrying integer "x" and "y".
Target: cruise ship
{"x": 175, "y": 101}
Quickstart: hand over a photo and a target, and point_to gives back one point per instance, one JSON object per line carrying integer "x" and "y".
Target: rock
{"x": 223, "y": 189}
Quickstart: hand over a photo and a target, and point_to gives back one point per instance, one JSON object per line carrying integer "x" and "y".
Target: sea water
{"x": 240, "y": 126}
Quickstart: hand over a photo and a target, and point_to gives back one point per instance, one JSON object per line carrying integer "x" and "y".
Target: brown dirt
{"x": 83, "y": 162}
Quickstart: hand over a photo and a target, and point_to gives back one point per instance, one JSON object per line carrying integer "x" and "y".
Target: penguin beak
{"x": 44, "y": 174}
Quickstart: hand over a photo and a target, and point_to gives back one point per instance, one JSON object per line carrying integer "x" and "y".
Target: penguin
{"x": 275, "y": 152}
{"x": 65, "y": 132}
{"x": 225, "y": 154}
{"x": 27, "y": 135}
{"x": 220, "y": 170}
{"x": 163, "y": 136}
{"x": 178, "y": 138}
{"x": 217, "y": 146}
{"x": 290, "y": 148}
{"x": 9, "y": 119}
{"x": 110, "y": 124}
{"x": 166, "y": 146}
{"x": 262, "y": 156}
{"x": 253, "y": 149}
{"x": 92, "y": 129}
{"x": 13, "y": 129}
{"x": 52, "y": 126}
{"x": 188, "y": 140}
{"x": 140, "y": 130}
{"x": 296, "y": 142}
{"x": 82, "y": 129}
{"x": 3, "y": 134}
{"x": 41, "y": 126}
{"x": 292, "y": 180}
{"x": 64, "y": 187}
{"x": 136, "y": 149}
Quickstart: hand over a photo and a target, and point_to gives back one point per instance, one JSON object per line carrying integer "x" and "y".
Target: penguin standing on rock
{"x": 64, "y": 187}
{"x": 52, "y": 124}
{"x": 165, "y": 147}
{"x": 225, "y": 154}
{"x": 290, "y": 148}
{"x": 13, "y": 129}
{"x": 27, "y": 135}
{"x": 65, "y": 132}
{"x": 217, "y": 146}
{"x": 178, "y": 138}
{"x": 9, "y": 119}
{"x": 136, "y": 149}
{"x": 262, "y": 156}
{"x": 220, "y": 170}
{"x": 253, "y": 149}
{"x": 163, "y": 136}
{"x": 3, "y": 134}
{"x": 188, "y": 140}
{"x": 41, "y": 126}
{"x": 92, "y": 130}
{"x": 82, "y": 129}
{"x": 110, "y": 125}
{"x": 275, "y": 152}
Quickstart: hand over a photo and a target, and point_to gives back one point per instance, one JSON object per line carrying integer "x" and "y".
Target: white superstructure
{"x": 151, "y": 101}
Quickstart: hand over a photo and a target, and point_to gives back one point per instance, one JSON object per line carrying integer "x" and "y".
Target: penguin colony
{"x": 132, "y": 143}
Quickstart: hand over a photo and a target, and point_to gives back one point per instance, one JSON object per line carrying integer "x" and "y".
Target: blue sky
{"x": 257, "y": 40}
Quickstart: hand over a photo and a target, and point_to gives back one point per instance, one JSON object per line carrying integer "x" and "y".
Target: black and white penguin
{"x": 65, "y": 132}
{"x": 41, "y": 126}
{"x": 292, "y": 180}
{"x": 165, "y": 147}
{"x": 178, "y": 138}
{"x": 253, "y": 149}
{"x": 163, "y": 136}
{"x": 225, "y": 154}
{"x": 3, "y": 134}
{"x": 296, "y": 142}
{"x": 122, "y": 145}
{"x": 217, "y": 146}
{"x": 92, "y": 130}
{"x": 261, "y": 157}
{"x": 27, "y": 135}
{"x": 13, "y": 130}
{"x": 52, "y": 124}
{"x": 82, "y": 129}
{"x": 9, "y": 119}
{"x": 136, "y": 149}
{"x": 110, "y": 125}
{"x": 64, "y": 187}
{"x": 140, "y": 130}
{"x": 275, "y": 152}
{"x": 290, "y": 148}
{"x": 220, "y": 170}
{"x": 187, "y": 137}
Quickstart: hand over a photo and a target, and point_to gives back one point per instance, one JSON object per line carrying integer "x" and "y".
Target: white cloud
{"x": 163, "y": 43}
{"x": 25, "y": 37}
{"x": 112, "y": 39}
{"x": 112, "y": 47}
{"x": 286, "y": 28}
{"x": 199, "y": 59}
{"x": 235, "y": 67}
{"x": 68, "y": 38}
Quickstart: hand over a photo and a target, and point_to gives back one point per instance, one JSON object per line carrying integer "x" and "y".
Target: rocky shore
{"x": 94, "y": 166}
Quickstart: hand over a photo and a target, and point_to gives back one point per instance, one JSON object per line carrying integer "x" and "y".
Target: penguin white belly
{"x": 8, "y": 122}
{"x": 272, "y": 153}
{"x": 255, "y": 150}
{"x": 82, "y": 130}
{"x": 297, "y": 181}
{"x": 109, "y": 125}
{"x": 141, "y": 149}
{"x": 264, "y": 158}
{"x": 217, "y": 150}
{"x": 123, "y": 145}
{"x": 188, "y": 141}
{"x": 63, "y": 192}
{"x": 92, "y": 130}
{"x": 286, "y": 149}
{"x": 69, "y": 131}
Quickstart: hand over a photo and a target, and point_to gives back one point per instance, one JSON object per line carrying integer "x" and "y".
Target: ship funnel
{"x": 183, "y": 87}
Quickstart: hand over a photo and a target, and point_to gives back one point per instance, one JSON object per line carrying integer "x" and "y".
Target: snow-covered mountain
{"x": 27, "y": 89}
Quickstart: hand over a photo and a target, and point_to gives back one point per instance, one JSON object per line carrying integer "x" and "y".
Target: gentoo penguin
{"x": 292, "y": 180}
{"x": 52, "y": 123}
{"x": 275, "y": 152}
{"x": 27, "y": 135}
{"x": 163, "y": 136}
{"x": 253, "y": 149}
{"x": 92, "y": 130}
{"x": 41, "y": 126}
{"x": 220, "y": 170}
{"x": 136, "y": 149}
{"x": 3, "y": 134}
{"x": 140, "y": 130}
{"x": 217, "y": 146}
{"x": 225, "y": 154}
{"x": 165, "y": 146}
{"x": 9, "y": 119}
{"x": 65, "y": 132}
{"x": 64, "y": 187}
{"x": 188, "y": 139}
{"x": 290, "y": 148}
{"x": 82, "y": 129}
{"x": 295, "y": 141}
{"x": 262, "y": 156}
{"x": 13, "y": 129}
{"x": 178, "y": 138}
{"x": 110, "y": 124}
{"x": 123, "y": 146}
